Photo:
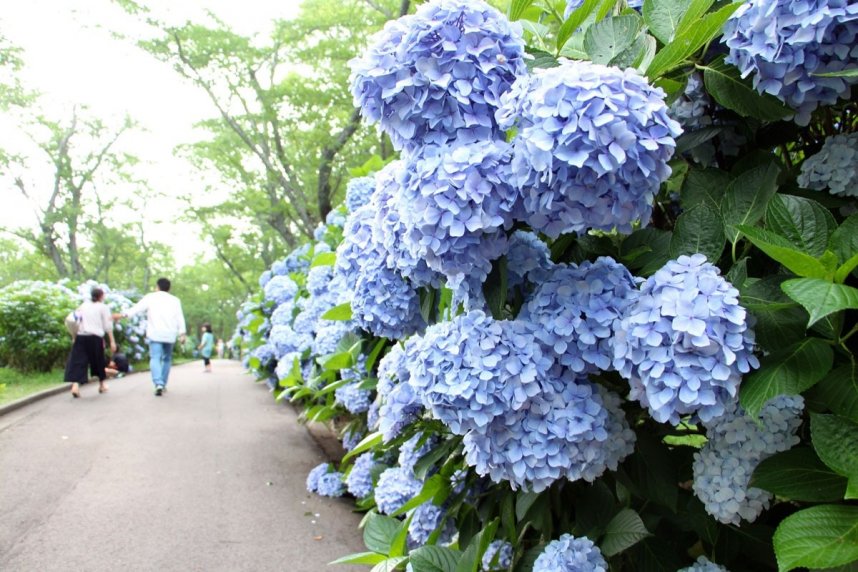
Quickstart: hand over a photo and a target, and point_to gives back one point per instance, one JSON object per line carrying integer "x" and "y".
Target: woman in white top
{"x": 88, "y": 348}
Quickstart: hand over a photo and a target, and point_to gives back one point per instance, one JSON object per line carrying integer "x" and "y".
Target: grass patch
{"x": 15, "y": 384}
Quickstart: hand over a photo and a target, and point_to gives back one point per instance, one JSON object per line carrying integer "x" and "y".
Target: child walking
{"x": 207, "y": 342}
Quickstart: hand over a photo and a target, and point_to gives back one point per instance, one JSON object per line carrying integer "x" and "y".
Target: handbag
{"x": 73, "y": 322}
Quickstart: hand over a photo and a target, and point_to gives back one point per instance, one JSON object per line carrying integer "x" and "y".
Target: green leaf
{"x": 663, "y": 17}
{"x": 821, "y": 298}
{"x": 609, "y": 38}
{"x": 821, "y": 536}
{"x": 625, "y": 530}
{"x": 390, "y": 565}
{"x": 495, "y": 288}
{"x": 843, "y": 271}
{"x": 704, "y": 186}
{"x": 367, "y": 443}
{"x": 688, "y": 42}
{"x": 430, "y": 488}
{"x": 360, "y": 558}
{"x": 839, "y": 391}
{"x": 373, "y": 355}
{"x": 844, "y": 240}
{"x": 523, "y": 501}
{"x": 850, "y": 73}
{"x": 470, "y": 560}
{"x": 341, "y": 313}
{"x": 434, "y": 559}
{"x": 691, "y": 139}
{"x": 651, "y": 248}
{"x": 780, "y": 321}
{"x": 799, "y": 475}
{"x": 399, "y": 544}
{"x": 806, "y": 224}
{"x": 781, "y": 250}
{"x": 747, "y": 198}
{"x": 726, "y": 86}
{"x": 650, "y": 472}
{"x": 517, "y": 8}
{"x": 692, "y": 15}
{"x": 339, "y": 361}
{"x": 574, "y": 21}
{"x": 379, "y": 532}
{"x": 835, "y": 440}
{"x": 324, "y": 259}
{"x": 604, "y": 9}
{"x": 699, "y": 229}
{"x": 787, "y": 372}
{"x": 430, "y": 459}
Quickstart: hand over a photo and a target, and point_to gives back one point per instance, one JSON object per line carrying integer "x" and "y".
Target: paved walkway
{"x": 208, "y": 477}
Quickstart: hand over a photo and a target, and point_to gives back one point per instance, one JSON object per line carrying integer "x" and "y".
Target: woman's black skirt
{"x": 87, "y": 353}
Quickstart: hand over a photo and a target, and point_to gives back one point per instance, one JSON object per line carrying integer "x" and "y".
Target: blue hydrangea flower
{"x": 474, "y": 369}
{"x": 438, "y": 75}
{"x": 265, "y": 353}
{"x": 283, "y": 314}
{"x": 356, "y": 245}
{"x": 685, "y": 342}
{"x": 400, "y": 405}
{"x": 410, "y": 452}
{"x": 336, "y": 217}
{"x": 280, "y": 289}
{"x": 319, "y": 232}
{"x": 351, "y": 439}
{"x": 285, "y": 363}
{"x": 396, "y": 486}
{"x": 528, "y": 259}
{"x": 384, "y": 303}
{"x": 315, "y": 475}
{"x": 577, "y": 309}
{"x": 458, "y": 480}
{"x": 329, "y": 335}
{"x": 359, "y": 479}
{"x": 264, "y": 278}
{"x": 570, "y": 554}
{"x": 459, "y": 202}
{"x": 297, "y": 261}
{"x": 331, "y": 485}
{"x": 784, "y": 45}
{"x": 319, "y": 279}
{"x": 425, "y": 520}
{"x": 353, "y": 398}
{"x": 834, "y": 167}
{"x": 497, "y": 557}
{"x": 285, "y": 340}
{"x": 703, "y": 564}
{"x": 736, "y": 445}
{"x": 388, "y": 228}
{"x": 372, "y": 416}
{"x": 358, "y": 192}
{"x": 592, "y": 147}
{"x": 321, "y": 248}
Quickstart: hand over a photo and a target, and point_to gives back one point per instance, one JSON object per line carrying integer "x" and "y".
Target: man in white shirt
{"x": 164, "y": 323}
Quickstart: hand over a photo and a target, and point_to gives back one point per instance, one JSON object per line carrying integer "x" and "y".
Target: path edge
{"x": 24, "y": 401}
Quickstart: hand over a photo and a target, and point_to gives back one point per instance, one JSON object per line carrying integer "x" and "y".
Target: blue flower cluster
{"x": 736, "y": 444}
{"x": 329, "y": 335}
{"x": 497, "y": 557}
{"x": 400, "y": 405}
{"x": 396, "y": 486}
{"x": 359, "y": 479}
{"x": 264, "y": 278}
{"x": 577, "y": 310}
{"x": 426, "y": 519}
{"x": 570, "y": 554}
{"x": 285, "y": 340}
{"x": 353, "y": 398}
{"x": 331, "y": 485}
{"x": 690, "y": 109}
{"x": 410, "y": 452}
{"x": 315, "y": 475}
{"x": 384, "y": 303}
{"x": 528, "y": 259}
{"x": 685, "y": 342}
{"x": 265, "y": 354}
{"x": 280, "y": 289}
{"x": 460, "y": 203}
{"x": 318, "y": 280}
{"x": 786, "y": 45}
{"x": 352, "y": 438}
{"x": 283, "y": 314}
{"x": 834, "y": 167}
{"x": 438, "y": 75}
{"x": 703, "y": 564}
{"x": 592, "y": 148}
{"x": 285, "y": 363}
{"x": 336, "y": 217}
{"x": 297, "y": 261}
{"x": 358, "y": 192}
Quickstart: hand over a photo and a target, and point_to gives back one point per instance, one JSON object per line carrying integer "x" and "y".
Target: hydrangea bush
{"x": 601, "y": 303}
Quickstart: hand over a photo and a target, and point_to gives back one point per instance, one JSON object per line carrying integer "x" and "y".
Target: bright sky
{"x": 71, "y": 58}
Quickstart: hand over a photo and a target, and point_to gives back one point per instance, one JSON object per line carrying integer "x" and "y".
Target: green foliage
{"x": 33, "y": 336}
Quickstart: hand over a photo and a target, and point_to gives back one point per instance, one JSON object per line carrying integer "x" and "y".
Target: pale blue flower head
{"x": 497, "y": 557}
{"x": 285, "y": 363}
{"x": 685, "y": 342}
{"x": 425, "y": 520}
{"x": 396, "y": 486}
{"x": 336, "y": 217}
{"x": 264, "y": 278}
{"x": 283, "y": 314}
{"x": 703, "y": 564}
{"x": 315, "y": 475}
{"x": 357, "y": 244}
{"x": 359, "y": 479}
{"x": 285, "y": 340}
{"x": 384, "y": 303}
{"x": 570, "y": 554}
{"x": 265, "y": 353}
{"x": 592, "y": 148}
{"x": 280, "y": 289}
{"x": 412, "y": 450}
{"x": 786, "y": 45}
{"x": 352, "y": 438}
{"x": 528, "y": 259}
{"x": 329, "y": 335}
{"x": 576, "y": 312}
{"x": 358, "y": 192}
{"x": 319, "y": 279}
{"x": 353, "y": 398}
{"x": 331, "y": 485}
{"x": 834, "y": 167}
{"x": 438, "y": 75}
{"x": 400, "y": 405}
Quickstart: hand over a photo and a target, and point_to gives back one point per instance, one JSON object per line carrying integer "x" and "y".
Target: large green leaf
{"x": 624, "y": 531}
{"x": 706, "y": 186}
{"x": 839, "y": 391}
{"x": 517, "y": 8}
{"x": 688, "y": 42}
{"x": 324, "y": 259}
{"x": 699, "y": 229}
{"x": 787, "y": 372}
{"x": 725, "y": 85}
{"x": 609, "y": 38}
{"x": 780, "y": 249}
{"x": 431, "y": 487}
{"x": 367, "y": 443}
{"x": 341, "y": 313}
{"x": 434, "y": 559}
{"x": 806, "y": 224}
{"x": 835, "y": 440}
{"x": 393, "y": 564}
{"x": 369, "y": 558}
{"x": 818, "y": 537}
{"x": 780, "y": 321}
{"x": 820, "y": 297}
{"x": 574, "y": 21}
{"x": 473, "y": 554}
{"x": 663, "y": 17}
{"x": 799, "y": 475}
{"x": 696, "y": 10}
{"x": 844, "y": 240}
{"x": 379, "y": 532}
{"x": 747, "y": 198}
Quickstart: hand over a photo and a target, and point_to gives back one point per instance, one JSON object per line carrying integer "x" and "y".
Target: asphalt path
{"x": 208, "y": 477}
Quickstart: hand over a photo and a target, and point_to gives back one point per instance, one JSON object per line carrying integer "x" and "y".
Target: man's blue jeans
{"x": 160, "y": 359}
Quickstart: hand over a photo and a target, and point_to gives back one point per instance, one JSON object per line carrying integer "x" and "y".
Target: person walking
{"x": 219, "y": 348}
{"x": 87, "y": 351}
{"x": 165, "y": 322}
{"x": 206, "y": 346}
